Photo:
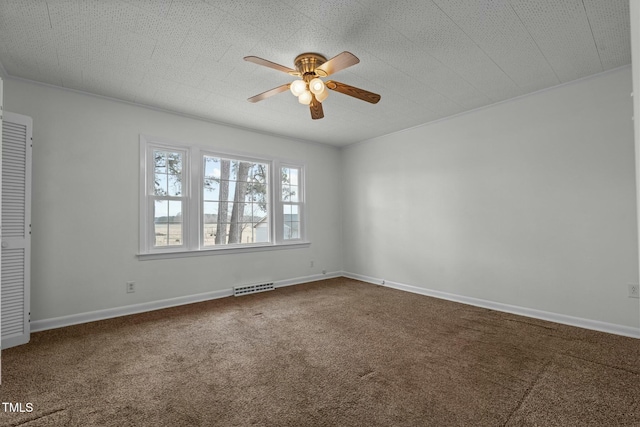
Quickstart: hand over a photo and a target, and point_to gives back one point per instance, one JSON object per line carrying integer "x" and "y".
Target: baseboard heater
{"x": 252, "y": 289}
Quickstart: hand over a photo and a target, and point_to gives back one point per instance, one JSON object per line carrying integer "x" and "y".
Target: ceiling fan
{"x": 310, "y": 89}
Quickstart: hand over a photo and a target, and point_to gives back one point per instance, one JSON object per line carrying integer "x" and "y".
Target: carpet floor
{"x": 333, "y": 353}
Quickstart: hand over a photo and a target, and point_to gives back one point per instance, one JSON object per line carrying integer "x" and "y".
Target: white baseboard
{"x": 521, "y": 311}
{"x": 307, "y": 279}
{"x": 92, "y": 316}
{"x": 75, "y": 319}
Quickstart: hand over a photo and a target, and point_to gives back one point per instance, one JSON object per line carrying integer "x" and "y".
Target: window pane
{"x": 233, "y": 171}
{"x": 234, "y": 201}
{"x": 285, "y": 183}
{"x": 211, "y": 167}
{"x": 211, "y": 191}
{"x": 161, "y": 211}
{"x": 210, "y": 211}
{"x": 291, "y": 221}
{"x": 293, "y": 193}
{"x": 294, "y": 176}
{"x": 160, "y": 220}
{"x": 258, "y": 173}
{"x": 235, "y": 233}
{"x": 232, "y": 190}
{"x": 174, "y": 185}
{"x": 175, "y": 223}
{"x": 261, "y": 231}
{"x": 209, "y": 234}
{"x": 175, "y": 234}
{"x": 294, "y": 230}
{"x": 255, "y": 233}
{"x": 290, "y": 184}
{"x": 259, "y": 213}
{"x": 160, "y": 185}
{"x": 243, "y": 171}
{"x": 160, "y": 160}
{"x": 248, "y": 212}
{"x": 161, "y": 234}
{"x": 226, "y": 190}
{"x": 174, "y": 163}
{"x": 167, "y": 174}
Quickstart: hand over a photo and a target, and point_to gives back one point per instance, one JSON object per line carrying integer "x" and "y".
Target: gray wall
{"x": 85, "y": 205}
{"x": 530, "y": 203}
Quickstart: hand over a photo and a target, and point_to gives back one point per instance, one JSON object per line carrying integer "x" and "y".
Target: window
{"x": 235, "y": 201}
{"x": 168, "y": 197}
{"x": 291, "y": 199}
{"x": 197, "y": 201}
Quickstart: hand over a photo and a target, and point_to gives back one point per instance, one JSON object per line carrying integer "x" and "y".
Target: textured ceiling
{"x": 428, "y": 59}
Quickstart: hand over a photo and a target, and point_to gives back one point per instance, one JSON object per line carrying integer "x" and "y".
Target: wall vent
{"x": 252, "y": 289}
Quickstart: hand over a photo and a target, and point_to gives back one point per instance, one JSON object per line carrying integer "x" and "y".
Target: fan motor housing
{"x": 307, "y": 63}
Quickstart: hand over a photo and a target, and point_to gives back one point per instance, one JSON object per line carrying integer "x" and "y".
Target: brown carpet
{"x": 332, "y": 353}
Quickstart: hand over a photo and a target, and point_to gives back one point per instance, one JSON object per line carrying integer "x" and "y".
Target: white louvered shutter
{"x": 16, "y": 229}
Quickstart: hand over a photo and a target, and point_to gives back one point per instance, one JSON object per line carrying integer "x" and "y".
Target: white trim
{"x": 92, "y": 316}
{"x": 222, "y": 250}
{"x": 307, "y": 279}
{"x": 513, "y": 309}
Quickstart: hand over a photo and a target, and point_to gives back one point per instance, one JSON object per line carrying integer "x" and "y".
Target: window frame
{"x": 192, "y": 189}
{"x": 300, "y": 203}
{"x": 242, "y": 158}
{"x": 148, "y": 198}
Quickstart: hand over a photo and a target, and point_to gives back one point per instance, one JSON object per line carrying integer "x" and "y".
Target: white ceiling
{"x": 427, "y": 59}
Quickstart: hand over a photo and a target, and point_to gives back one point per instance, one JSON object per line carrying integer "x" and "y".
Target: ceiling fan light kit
{"x": 316, "y": 86}
{"x": 310, "y": 89}
{"x": 297, "y": 87}
{"x": 305, "y": 97}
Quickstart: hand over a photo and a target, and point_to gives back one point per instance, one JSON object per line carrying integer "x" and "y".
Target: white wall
{"x": 85, "y": 205}
{"x": 529, "y": 203}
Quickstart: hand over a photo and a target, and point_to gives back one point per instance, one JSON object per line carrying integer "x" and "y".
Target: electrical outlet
{"x": 311, "y": 264}
{"x": 633, "y": 291}
{"x": 131, "y": 287}
{"x": 324, "y": 271}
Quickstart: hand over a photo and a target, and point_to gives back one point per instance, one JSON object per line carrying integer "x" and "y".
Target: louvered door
{"x": 16, "y": 225}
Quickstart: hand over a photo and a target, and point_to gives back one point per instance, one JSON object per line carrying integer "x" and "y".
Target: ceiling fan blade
{"x": 337, "y": 63}
{"x": 316, "y": 108}
{"x": 270, "y": 64}
{"x": 267, "y": 94}
{"x": 362, "y": 94}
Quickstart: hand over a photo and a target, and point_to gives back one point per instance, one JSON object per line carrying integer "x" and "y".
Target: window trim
{"x": 192, "y": 189}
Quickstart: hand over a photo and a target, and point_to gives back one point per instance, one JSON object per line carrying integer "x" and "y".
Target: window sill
{"x": 221, "y": 251}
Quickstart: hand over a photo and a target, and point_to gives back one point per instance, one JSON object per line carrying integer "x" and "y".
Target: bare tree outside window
{"x": 235, "y": 199}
